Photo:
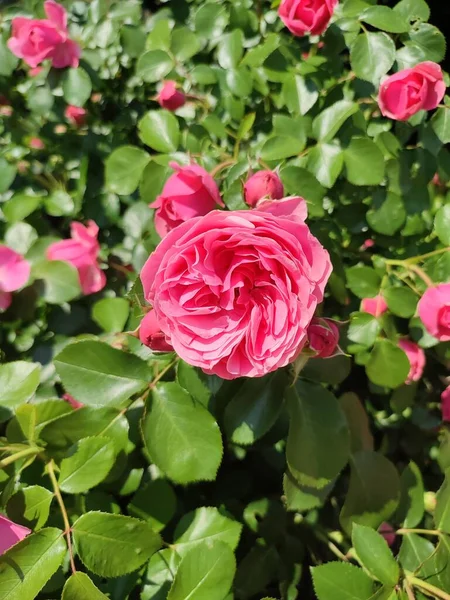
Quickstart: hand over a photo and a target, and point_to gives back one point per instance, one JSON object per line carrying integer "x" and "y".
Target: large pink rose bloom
{"x": 81, "y": 251}
{"x": 14, "y": 273}
{"x": 307, "y": 16}
{"x": 35, "y": 40}
{"x": 434, "y": 311}
{"x": 234, "y": 292}
{"x": 403, "y": 94}
{"x": 10, "y": 534}
{"x": 416, "y": 357}
{"x": 189, "y": 192}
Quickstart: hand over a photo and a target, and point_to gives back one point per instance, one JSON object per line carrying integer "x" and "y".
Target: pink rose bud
{"x": 36, "y": 143}
{"x": 82, "y": 252}
{"x": 11, "y": 534}
{"x": 416, "y": 357}
{"x": 35, "y": 40}
{"x": 445, "y": 405}
{"x": 292, "y": 207}
{"x": 374, "y": 306}
{"x": 307, "y": 16}
{"x": 388, "y": 532}
{"x": 71, "y": 400}
{"x": 171, "y": 98}
{"x": 434, "y": 311}
{"x": 263, "y": 185}
{"x": 76, "y": 115}
{"x": 189, "y": 192}
{"x": 14, "y": 274}
{"x": 323, "y": 337}
{"x": 368, "y": 244}
{"x": 151, "y": 335}
{"x": 421, "y": 88}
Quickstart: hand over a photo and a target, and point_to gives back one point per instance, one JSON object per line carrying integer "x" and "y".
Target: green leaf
{"x": 364, "y": 329}
{"x": 278, "y": 147}
{"x": 386, "y": 19}
{"x": 254, "y": 409}
{"x": 318, "y": 443}
{"x": 153, "y": 179}
{"x": 160, "y": 35}
{"x": 87, "y": 465}
{"x": 181, "y": 436}
{"x": 124, "y": 168}
{"x": 239, "y": 81}
{"x": 300, "y": 182}
{"x": 411, "y": 507}
{"x": 364, "y": 162}
{"x": 442, "y": 562}
{"x": 159, "y": 575}
{"x": 374, "y": 554}
{"x": 374, "y": 491}
{"x": 372, "y": 55}
{"x": 185, "y": 43}
{"x": 256, "y": 570}
{"x": 18, "y": 382}
{"x": 8, "y": 62}
{"x": 414, "y": 551}
{"x": 329, "y": 121}
{"x": 133, "y": 40}
{"x": 111, "y": 314}
{"x": 413, "y": 10}
{"x": 80, "y": 587}
{"x": 206, "y": 524}
{"x": 231, "y": 49}
{"x": 40, "y": 100}
{"x": 326, "y": 162}
{"x": 364, "y": 282}
{"x": 30, "y": 506}
{"x": 341, "y": 581}
{"x": 98, "y": 536}
{"x": 20, "y": 206}
{"x": 59, "y": 203}
{"x": 358, "y": 422}
{"x": 442, "y": 224}
{"x": 204, "y": 74}
{"x": 155, "y": 503}
{"x": 189, "y": 379}
{"x": 7, "y": 175}
{"x": 210, "y": 20}
{"x": 159, "y": 129}
{"x": 60, "y": 281}
{"x": 430, "y": 41}
{"x": 388, "y": 213}
{"x": 26, "y": 567}
{"x": 77, "y": 86}
{"x": 442, "y": 511}
{"x": 154, "y": 65}
{"x": 301, "y": 498}
{"x": 441, "y": 124}
{"x": 401, "y": 301}
{"x": 98, "y": 375}
{"x": 388, "y": 366}
{"x": 300, "y": 94}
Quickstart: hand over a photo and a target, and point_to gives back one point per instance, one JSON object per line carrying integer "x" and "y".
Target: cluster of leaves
{"x": 169, "y": 484}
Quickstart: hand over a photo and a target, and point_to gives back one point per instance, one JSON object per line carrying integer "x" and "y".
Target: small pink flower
{"x": 82, "y": 252}
{"x": 76, "y": 115}
{"x": 292, "y": 207}
{"x": 416, "y": 357}
{"x": 71, "y": 400}
{"x": 10, "y": 534}
{"x": 35, "y": 40}
{"x": 263, "y": 185}
{"x": 307, "y": 16}
{"x": 151, "y": 335}
{"x": 434, "y": 311}
{"x": 189, "y": 192}
{"x": 14, "y": 274}
{"x": 170, "y": 97}
{"x": 374, "y": 306}
{"x": 445, "y": 405}
{"x": 368, "y": 244}
{"x": 36, "y": 143}
{"x": 403, "y": 94}
{"x": 323, "y": 337}
{"x": 388, "y": 532}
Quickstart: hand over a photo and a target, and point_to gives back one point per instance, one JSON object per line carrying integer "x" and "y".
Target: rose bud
{"x": 11, "y": 534}
{"x": 323, "y": 337}
{"x": 171, "y": 98}
{"x": 76, "y": 115}
{"x": 263, "y": 185}
{"x": 151, "y": 335}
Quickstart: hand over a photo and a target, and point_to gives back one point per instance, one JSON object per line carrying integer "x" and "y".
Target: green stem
{"x": 427, "y": 587}
{"x": 22, "y": 454}
{"x": 404, "y": 531}
{"x": 416, "y": 259}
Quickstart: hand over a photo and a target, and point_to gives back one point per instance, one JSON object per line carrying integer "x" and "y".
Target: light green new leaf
{"x": 231, "y": 49}
{"x": 341, "y": 581}
{"x": 111, "y": 314}
{"x": 18, "y": 382}
{"x": 159, "y": 129}
{"x": 87, "y": 464}
{"x": 413, "y": 10}
{"x": 80, "y": 587}
{"x": 388, "y": 366}
{"x": 374, "y": 554}
{"x": 329, "y": 121}
{"x": 30, "y": 506}
{"x": 154, "y": 65}
{"x": 77, "y": 86}
{"x": 124, "y": 168}
{"x": 364, "y": 162}
{"x": 372, "y": 55}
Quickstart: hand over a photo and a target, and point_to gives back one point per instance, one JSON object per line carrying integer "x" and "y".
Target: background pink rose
{"x": 323, "y": 337}
{"x": 307, "y": 16}
{"x": 234, "y": 292}
{"x": 416, "y": 357}
{"x": 403, "y": 94}
{"x": 263, "y": 184}
{"x": 171, "y": 98}
{"x": 10, "y": 534}
{"x": 434, "y": 311}
{"x": 445, "y": 406}
{"x": 189, "y": 192}
{"x": 14, "y": 274}
{"x": 151, "y": 335}
{"x": 374, "y": 306}
{"x": 76, "y": 115}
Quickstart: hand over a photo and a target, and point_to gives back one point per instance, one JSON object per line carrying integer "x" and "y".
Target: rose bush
{"x": 224, "y": 300}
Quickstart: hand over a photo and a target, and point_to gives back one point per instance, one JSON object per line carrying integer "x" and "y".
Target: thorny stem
{"x": 427, "y": 587}
{"x": 67, "y": 528}
{"x": 22, "y": 454}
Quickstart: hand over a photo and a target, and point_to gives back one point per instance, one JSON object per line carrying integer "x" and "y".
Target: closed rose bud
{"x": 263, "y": 185}
{"x": 416, "y": 357}
{"x": 388, "y": 532}
{"x": 151, "y": 335}
{"x": 171, "y": 98}
{"x": 434, "y": 311}
{"x": 76, "y": 115}
{"x": 374, "y": 306}
{"x": 323, "y": 337}
{"x": 306, "y": 16}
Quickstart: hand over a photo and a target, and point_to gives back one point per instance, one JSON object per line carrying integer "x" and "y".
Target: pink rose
{"x": 35, "y": 40}
{"x": 76, "y": 115}
{"x": 292, "y": 207}
{"x": 445, "y": 406}
{"x": 189, "y": 192}
{"x": 434, "y": 311}
{"x": 323, "y": 337}
{"x": 388, "y": 532}
{"x": 416, "y": 357}
{"x": 10, "y": 534}
{"x": 151, "y": 335}
{"x": 36, "y": 143}
{"x": 403, "y": 94}
{"x": 307, "y": 16}
{"x": 81, "y": 251}
{"x": 14, "y": 274}
{"x": 35, "y": 72}
{"x": 234, "y": 292}
{"x": 171, "y": 98}
{"x": 263, "y": 184}
{"x": 368, "y": 244}
{"x": 374, "y": 306}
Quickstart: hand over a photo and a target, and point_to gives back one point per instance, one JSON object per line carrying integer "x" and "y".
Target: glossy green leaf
{"x": 87, "y": 464}
{"x": 326, "y": 162}
{"x": 372, "y": 55}
{"x": 387, "y": 214}
{"x": 341, "y": 581}
{"x": 374, "y": 554}
{"x": 30, "y": 506}
{"x": 231, "y": 49}
{"x": 155, "y": 503}
{"x": 388, "y": 366}
{"x": 413, "y": 10}
{"x": 124, "y": 168}
{"x": 442, "y": 224}
{"x": 364, "y": 282}
{"x": 154, "y": 65}
{"x": 159, "y": 129}
{"x": 430, "y": 41}
{"x": 358, "y": 422}
{"x": 401, "y": 301}
{"x": 60, "y": 281}
{"x": 411, "y": 508}
{"x": 442, "y": 511}
{"x": 210, "y": 20}
{"x": 184, "y": 44}
{"x": 111, "y": 314}
{"x": 364, "y": 162}
{"x": 190, "y": 379}
{"x": 414, "y": 551}
{"x": 300, "y": 94}
{"x": 77, "y": 86}
{"x": 329, "y": 121}
{"x": 386, "y": 19}
{"x": 364, "y": 329}
{"x": 80, "y": 587}
{"x": 18, "y": 382}
{"x": 278, "y": 147}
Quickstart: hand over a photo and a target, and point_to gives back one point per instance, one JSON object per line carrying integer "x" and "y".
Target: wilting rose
{"x": 10, "y": 534}
{"x": 307, "y": 16}
{"x": 14, "y": 274}
{"x": 170, "y": 97}
{"x": 35, "y": 40}
{"x": 403, "y": 94}
{"x": 151, "y": 335}
{"x": 76, "y": 115}
{"x": 374, "y": 306}
{"x": 445, "y": 404}
{"x": 81, "y": 251}
{"x": 434, "y": 311}
{"x": 323, "y": 337}
{"x": 234, "y": 292}
{"x": 262, "y": 185}
{"x": 189, "y": 192}
{"x": 416, "y": 357}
